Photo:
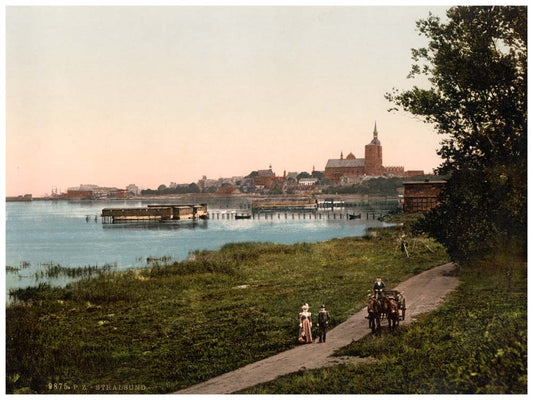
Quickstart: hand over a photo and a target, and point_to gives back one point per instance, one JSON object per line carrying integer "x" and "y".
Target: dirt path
{"x": 423, "y": 293}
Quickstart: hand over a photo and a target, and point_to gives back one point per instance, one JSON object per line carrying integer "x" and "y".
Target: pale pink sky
{"x": 153, "y": 95}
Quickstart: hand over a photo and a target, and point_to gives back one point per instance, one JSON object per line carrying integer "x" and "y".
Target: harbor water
{"x": 71, "y": 234}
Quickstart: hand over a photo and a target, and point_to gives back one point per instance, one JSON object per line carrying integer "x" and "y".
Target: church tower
{"x": 374, "y": 156}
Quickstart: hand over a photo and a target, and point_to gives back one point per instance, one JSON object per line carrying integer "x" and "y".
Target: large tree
{"x": 476, "y": 64}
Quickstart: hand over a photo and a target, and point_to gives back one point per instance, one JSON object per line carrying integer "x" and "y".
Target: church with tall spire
{"x": 371, "y": 165}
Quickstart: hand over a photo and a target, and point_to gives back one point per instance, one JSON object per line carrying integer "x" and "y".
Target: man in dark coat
{"x": 379, "y": 287}
{"x": 323, "y": 322}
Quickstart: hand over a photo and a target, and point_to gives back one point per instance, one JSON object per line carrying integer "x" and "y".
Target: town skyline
{"x": 121, "y": 95}
{"x": 345, "y": 170}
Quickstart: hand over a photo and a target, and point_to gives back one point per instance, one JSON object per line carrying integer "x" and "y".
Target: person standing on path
{"x": 323, "y": 322}
{"x": 305, "y": 335}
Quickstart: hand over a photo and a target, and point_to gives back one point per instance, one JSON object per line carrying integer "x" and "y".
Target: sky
{"x": 151, "y": 95}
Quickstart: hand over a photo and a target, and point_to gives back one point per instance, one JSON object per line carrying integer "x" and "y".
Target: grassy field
{"x": 475, "y": 343}
{"x": 167, "y": 327}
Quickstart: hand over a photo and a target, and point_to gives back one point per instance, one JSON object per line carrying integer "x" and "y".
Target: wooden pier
{"x": 297, "y": 215}
{"x": 155, "y": 213}
{"x": 301, "y": 210}
{"x": 272, "y": 205}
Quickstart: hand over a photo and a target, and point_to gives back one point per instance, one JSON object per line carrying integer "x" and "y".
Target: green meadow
{"x": 169, "y": 326}
{"x": 476, "y": 343}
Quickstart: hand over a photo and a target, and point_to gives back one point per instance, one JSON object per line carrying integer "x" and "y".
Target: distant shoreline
{"x": 209, "y": 195}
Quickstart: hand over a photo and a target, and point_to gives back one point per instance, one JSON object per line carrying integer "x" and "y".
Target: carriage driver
{"x": 379, "y": 287}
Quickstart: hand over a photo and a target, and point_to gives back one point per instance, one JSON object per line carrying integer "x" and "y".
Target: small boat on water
{"x": 243, "y": 216}
{"x": 354, "y": 216}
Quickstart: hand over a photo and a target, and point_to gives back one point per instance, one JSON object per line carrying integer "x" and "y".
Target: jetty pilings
{"x": 233, "y": 215}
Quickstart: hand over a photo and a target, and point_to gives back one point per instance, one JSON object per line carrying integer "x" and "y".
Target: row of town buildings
{"x": 344, "y": 171}
{"x": 92, "y": 192}
{"x": 352, "y": 170}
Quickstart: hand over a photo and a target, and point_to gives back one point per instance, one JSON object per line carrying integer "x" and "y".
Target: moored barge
{"x": 155, "y": 213}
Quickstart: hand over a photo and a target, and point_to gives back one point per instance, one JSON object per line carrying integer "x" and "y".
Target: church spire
{"x": 375, "y": 141}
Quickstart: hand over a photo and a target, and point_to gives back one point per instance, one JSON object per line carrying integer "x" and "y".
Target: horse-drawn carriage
{"x": 399, "y": 298}
{"x": 390, "y": 306}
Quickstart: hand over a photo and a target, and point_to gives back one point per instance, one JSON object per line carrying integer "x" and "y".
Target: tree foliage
{"x": 303, "y": 175}
{"x": 376, "y": 186}
{"x": 181, "y": 189}
{"x": 317, "y": 174}
{"x": 476, "y": 63}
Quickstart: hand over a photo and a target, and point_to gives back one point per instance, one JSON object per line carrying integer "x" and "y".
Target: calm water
{"x": 42, "y": 232}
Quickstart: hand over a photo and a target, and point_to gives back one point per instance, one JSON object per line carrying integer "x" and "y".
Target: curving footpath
{"x": 423, "y": 293}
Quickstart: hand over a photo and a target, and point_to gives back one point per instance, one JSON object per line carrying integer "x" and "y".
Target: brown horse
{"x": 374, "y": 314}
{"x": 392, "y": 309}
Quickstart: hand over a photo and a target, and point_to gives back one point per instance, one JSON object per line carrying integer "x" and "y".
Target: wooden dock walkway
{"x": 294, "y": 215}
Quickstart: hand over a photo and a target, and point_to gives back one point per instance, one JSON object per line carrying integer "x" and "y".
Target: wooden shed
{"x": 421, "y": 196}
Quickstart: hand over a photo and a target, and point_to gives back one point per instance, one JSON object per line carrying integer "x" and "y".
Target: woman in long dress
{"x": 305, "y": 335}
